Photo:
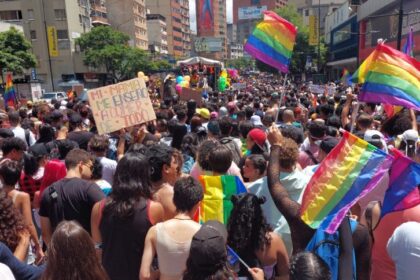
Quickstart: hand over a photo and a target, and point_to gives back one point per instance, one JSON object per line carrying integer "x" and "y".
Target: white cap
{"x": 410, "y": 134}
{"x": 256, "y": 120}
{"x": 374, "y": 136}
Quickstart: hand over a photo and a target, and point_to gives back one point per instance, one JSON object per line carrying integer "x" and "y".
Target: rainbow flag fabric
{"x": 218, "y": 191}
{"x": 402, "y": 192}
{"x": 346, "y": 77}
{"x": 350, "y": 171}
{"x": 409, "y": 44}
{"x": 9, "y": 92}
{"x": 393, "y": 78}
{"x": 360, "y": 74}
{"x": 272, "y": 41}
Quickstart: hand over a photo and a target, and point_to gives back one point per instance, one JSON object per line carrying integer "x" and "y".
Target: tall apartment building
{"x": 178, "y": 29}
{"x": 129, "y": 17}
{"x": 157, "y": 34}
{"x": 211, "y": 38}
{"x": 246, "y": 14}
{"x": 98, "y": 12}
{"x": 62, "y": 21}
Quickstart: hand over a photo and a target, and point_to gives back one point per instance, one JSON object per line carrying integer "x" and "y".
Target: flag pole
{"x": 281, "y": 96}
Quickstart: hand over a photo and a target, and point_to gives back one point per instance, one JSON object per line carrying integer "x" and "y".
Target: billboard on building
{"x": 52, "y": 41}
{"x": 205, "y": 16}
{"x": 253, "y": 12}
{"x": 208, "y": 44}
{"x": 313, "y": 30}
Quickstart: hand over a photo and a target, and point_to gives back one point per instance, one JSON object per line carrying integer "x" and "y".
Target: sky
{"x": 193, "y": 20}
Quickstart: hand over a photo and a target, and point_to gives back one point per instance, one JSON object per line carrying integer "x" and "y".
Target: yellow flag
{"x": 52, "y": 41}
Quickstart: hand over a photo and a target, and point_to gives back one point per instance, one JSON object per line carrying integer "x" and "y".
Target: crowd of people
{"x": 122, "y": 206}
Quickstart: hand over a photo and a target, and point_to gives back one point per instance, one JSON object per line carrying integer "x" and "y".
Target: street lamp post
{"x": 319, "y": 41}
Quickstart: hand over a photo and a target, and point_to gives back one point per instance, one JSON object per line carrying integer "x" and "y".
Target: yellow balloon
{"x": 187, "y": 78}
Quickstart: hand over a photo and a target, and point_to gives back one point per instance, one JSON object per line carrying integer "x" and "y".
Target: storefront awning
{"x": 347, "y": 61}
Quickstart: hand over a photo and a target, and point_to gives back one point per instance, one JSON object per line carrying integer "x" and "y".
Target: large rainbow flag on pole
{"x": 350, "y": 171}
{"x": 272, "y": 41}
{"x": 218, "y": 191}
{"x": 392, "y": 78}
{"x": 402, "y": 192}
{"x": 9, "y": 93}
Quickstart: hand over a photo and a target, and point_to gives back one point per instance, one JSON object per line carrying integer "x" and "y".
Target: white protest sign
{"x": 121, "y": 105}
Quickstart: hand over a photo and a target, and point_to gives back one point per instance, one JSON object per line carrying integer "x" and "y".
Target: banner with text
{"x": 121, "y": 105}
{"x": 313, "y": 30}
{"x": 52, "y": 41}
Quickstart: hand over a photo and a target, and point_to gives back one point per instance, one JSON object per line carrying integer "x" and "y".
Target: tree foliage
{"x": 302, "y": 48}
{"x": 240, "y": 63}
{"x": 108, "y": 48}
{"x": 15, "y": 52}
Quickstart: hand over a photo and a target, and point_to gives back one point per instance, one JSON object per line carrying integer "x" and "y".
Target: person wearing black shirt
{"x": 71, "y": 198}
{"x": 78, "y": 133}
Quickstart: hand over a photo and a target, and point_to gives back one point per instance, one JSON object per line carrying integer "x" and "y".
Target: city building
{"x": 177, "y": 25}
{"x": 247, "y": 13}
{"x": 211, "y": 38}
{"x": 231, "y": 33}
{"x": 379, "y": 20}
{"x": 52, "y": 26}
{"x": 342, "y": 37}
{"x": 157, "y": 34}
{"x": 129, "y": 17}
{"x": 235, "y": 50}
{"x": 98, "y": 12}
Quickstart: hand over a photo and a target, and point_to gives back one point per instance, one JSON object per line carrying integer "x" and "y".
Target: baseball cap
{"x": 328, "y": 143}
{"x": 223, "y": 112}
{"x": 214, "y": 115}
{"x": 256, "y": 120}
{"x": 208, "y": 245}
{"x": 375, "y": 138}
{"x": 203, "y": 112}
{"x": 258, "y": 136}
{"x": 410, "y": 134}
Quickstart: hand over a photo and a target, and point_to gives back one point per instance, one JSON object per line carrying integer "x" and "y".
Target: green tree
{"x": 108, "y": 48}
{"x": 15, "y": 52}
{"x": 240, "y": 63}
{"x": 302, "y": 48}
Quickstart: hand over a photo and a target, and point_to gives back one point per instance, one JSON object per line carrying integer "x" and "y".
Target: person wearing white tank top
{"x": 171, "y": 240}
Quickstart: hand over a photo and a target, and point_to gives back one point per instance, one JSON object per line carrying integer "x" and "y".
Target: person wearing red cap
{"x": 255, "y": 142}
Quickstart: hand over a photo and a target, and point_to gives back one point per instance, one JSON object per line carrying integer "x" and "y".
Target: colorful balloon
{"x": 187, "y": 78}
{"x": 179, "y": 79}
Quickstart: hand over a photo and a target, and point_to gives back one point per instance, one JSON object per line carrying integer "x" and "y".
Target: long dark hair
{"x": 131, "y": 183}
{"x": 219, "y": 272}
{"x": 247, "y": 227}
{"x": 71, "y": 255}
{"x": 11, "y": 222}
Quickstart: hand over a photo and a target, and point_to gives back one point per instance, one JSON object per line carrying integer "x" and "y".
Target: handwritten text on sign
{"x": 121, "y": 105}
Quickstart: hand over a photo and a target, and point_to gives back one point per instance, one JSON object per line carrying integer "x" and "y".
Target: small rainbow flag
{"x": 409, "y": 44}
{"x": 272, "y": 41}
{"x": 402, "y": 192}
{"x": 393, "y": 78}
{"x": 9, "y": 92}
{"x": 350, "y": 171}
{"x": 346, "y": 77}
{"x": 218, "y": 190}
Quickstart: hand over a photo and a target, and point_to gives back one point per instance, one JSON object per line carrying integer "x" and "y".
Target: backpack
{"x": 233, "y": 147}
{"x": 27, "y": 135}
{"x": 327, "y": 247}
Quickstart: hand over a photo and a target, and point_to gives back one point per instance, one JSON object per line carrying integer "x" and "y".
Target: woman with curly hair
{"x": 253, "y": 239}
{"x": 71, "y": 255}
{"x": 13, "y": 231}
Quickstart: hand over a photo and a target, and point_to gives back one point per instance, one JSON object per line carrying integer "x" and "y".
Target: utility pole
{"x": 400, "y": 22}
{"x": 319, "y": 36}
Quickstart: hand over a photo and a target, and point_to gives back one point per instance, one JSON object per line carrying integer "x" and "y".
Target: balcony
{"x": 97, "y": 21}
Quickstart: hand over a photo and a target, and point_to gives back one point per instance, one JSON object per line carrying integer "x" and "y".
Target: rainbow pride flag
{"x": 402, "y": 192}
{"x": 350, "y": 171}
{"x": 9, "y": 92}
{"x": 393, "y": 78}
{"x": 218, "y": 191}
{"x": 346, "y": 77}
{"x": 272, "y": 41}
{"x": 360, "y": 74}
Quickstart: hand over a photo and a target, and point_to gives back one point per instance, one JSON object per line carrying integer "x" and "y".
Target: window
{"x": 33, "y": 34}
{"x": 64, "y": 45}
{"x": 60, "y": 14}
{"x": 62, "y": 34}
{"x": 31, "y": 14}
{"x": 15, "y": 15}
{"x": 306, "y": 13}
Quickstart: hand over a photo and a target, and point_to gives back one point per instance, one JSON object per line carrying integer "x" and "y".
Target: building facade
{"x": 235, "y": 50}
{"x": 247, "y": 13}
{"x": 157, "y": 34}
{"x": 52, "y": 26}
{"x": 177, "y": 25}
{"x": 129, "y": 17}
{"x": 211, "y": 38}
{"x": 379, "y": 20}
{"x": 98, "y": 12}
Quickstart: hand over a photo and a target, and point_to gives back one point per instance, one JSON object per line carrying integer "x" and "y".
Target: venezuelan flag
{"x": 218, "y": 191}
{"x": 272, "y": 41}
{"x": 392, "y": 78}
{"x": 402, "y": 192}
{"x": 350, "y": 171}
{"x": 9, "y": 93}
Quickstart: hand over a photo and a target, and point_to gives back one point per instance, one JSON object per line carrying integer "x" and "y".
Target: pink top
{"x": 196, "y": 171}
{"x": 383, "y": 267}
